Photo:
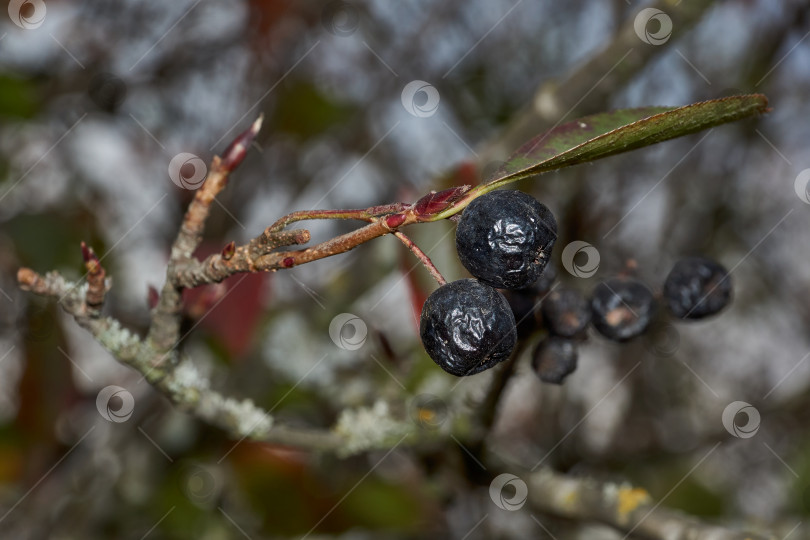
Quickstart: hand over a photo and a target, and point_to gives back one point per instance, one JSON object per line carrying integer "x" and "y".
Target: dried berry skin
{"x": 696, "y": 288}
{"x": 554, "y": 359}
{"x": 504, "y": 238}
{"x": 565, "y": 312}
{"x": 622, "y": 308}
{"x": 467, "y": 327}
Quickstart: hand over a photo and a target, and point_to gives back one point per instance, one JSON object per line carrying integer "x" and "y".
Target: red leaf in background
{"x": 466, "y": 173}
{"x": 230, "y": 310}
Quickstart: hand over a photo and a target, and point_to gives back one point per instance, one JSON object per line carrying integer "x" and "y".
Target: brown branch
{"x": 165, "y": 321}
{"x": 256, "y": 256}
{"x": 215, "y": 268}
{"x": 362, "y": 214}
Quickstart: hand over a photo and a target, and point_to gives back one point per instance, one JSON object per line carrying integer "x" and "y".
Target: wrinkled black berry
{"x": 621, "y": 308}
{"x": 554, "y": 359}
{"x": 696, "y": 288}
{"x": 467, "y": 327}
{"x": 504, "y": 238}
{"x": 565, "y": 312}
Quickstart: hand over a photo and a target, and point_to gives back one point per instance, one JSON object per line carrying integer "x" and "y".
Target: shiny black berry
{"x": 696, "y": 288}
{"x": 565, "y": 312}
{"x": 554, "y": 359}
{"x": 467, "y": 327}
{"x": 504, "y": 238}
{"x": 622, "y": 308}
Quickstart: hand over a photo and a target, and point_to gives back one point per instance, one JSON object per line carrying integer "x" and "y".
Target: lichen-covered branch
{"x": 628, "y": 509}
{"x": 183, "y": 385}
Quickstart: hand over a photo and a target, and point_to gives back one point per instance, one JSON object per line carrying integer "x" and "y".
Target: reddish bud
{"x": 91, "y": 262}
{"x": 237, "y": 150}
{"x": 434, "y": 202}
{"x": 228, "y": 251}
{"x": 87, "y": 253}
{"x": 152, "y": 297}
{"x": 288, "y": 262}
{"x": 394, "y": 220}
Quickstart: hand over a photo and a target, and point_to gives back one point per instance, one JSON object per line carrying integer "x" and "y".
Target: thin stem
{"x": 422, "y": 256}
{"x": 362, "y": 214}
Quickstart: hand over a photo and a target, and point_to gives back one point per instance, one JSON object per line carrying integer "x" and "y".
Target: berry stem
{"x": 423, "y": 258}
{"x": 362, "y": 214}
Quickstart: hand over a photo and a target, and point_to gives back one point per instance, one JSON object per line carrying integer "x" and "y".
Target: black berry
{"x": 696, "y": 288}
{"x": 554, "y": 359}
{"x": 565, "y": 312}
{"x": 467, "y": 327}
{"x": 504, "y": 238}
{"x": 621, "y": 308}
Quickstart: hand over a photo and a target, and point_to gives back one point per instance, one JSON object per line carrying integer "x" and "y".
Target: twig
{"x": 165, "y": 327}
{"x": 183, "y": 384}
{"x": 96, "y": 286}
{"x": 423, "y": 258}
{"x": 362, "y": 214}
{"x": 623, "y": 507}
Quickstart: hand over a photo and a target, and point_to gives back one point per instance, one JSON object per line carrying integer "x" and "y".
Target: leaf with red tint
{"x": 436, "y": 201}
{"x": 605, "y": 134}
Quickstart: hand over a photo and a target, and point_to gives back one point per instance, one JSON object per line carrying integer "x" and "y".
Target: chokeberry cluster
{"x": 504, "y": 239}
{"x": 622, "y": 308}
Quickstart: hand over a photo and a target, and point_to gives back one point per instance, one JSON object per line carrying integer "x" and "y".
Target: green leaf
{"x": 606, "y": 134}
{"x": 602, "y": 135}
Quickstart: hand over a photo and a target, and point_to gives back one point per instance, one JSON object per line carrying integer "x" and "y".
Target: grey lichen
{"x": 367, "y": 428}
{"x": 242, "y": 417}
